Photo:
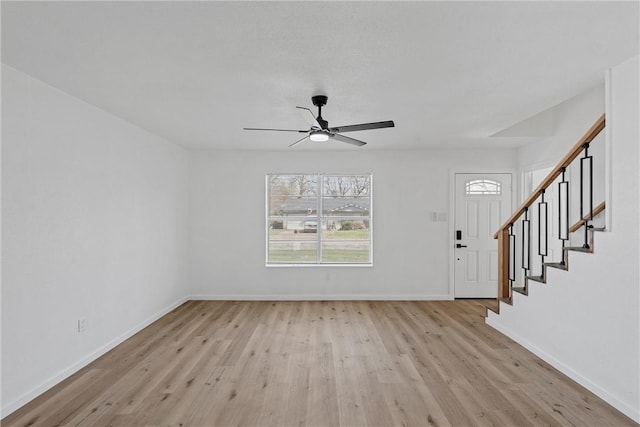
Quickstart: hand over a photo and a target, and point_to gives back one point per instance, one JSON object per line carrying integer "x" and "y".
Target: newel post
{"x": 503, "y": 263}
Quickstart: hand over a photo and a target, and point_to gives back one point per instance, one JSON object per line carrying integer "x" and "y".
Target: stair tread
{"x": 559, "y": 265}
{"x": 521, "y": 290}
{"x": 496, "y": 310}
{"x": 578, "y": 249}
{"x": 506, "y": 300}
{"x": 536, "y": 278}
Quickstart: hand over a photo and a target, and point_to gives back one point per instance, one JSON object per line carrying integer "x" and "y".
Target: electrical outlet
{"x": 82, "y": 325}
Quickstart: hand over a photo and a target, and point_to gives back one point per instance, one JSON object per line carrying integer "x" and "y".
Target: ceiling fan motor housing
{"x": 319, "y": 100}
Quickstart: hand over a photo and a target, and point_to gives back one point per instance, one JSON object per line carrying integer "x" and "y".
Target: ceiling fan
{"x": 320, "y": 130}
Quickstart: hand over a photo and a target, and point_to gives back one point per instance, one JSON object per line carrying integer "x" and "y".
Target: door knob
{"x": 458, "y": 245}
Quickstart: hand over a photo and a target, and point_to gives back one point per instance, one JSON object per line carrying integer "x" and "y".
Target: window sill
{"x": 318, "y": 265}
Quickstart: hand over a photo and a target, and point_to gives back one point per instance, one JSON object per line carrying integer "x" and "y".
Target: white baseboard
{"x": 629, "y": 411}
{"x": 320, "y": 297}
{"x": 70, "y": 370}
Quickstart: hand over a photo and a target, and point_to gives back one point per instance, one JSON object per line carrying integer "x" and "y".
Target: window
{"x": 318, "y": 219}
{"x": 482, "y": 187}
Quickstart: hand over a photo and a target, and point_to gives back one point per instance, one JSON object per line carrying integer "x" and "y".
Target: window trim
{"x": 320, "y": 219}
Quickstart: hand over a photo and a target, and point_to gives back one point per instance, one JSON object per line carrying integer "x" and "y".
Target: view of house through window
{"x": 318, "y": 219}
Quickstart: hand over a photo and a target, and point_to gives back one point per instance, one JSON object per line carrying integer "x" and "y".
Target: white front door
{"x": 482, "y": 204}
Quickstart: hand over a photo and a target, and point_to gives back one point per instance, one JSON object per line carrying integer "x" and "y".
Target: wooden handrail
{"x": 596, "y": 211}
{"x": 503, "y": 232}
{"x": 575, "y": 152}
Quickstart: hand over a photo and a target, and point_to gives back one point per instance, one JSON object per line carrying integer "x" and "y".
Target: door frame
{"x": 515, "y": 188}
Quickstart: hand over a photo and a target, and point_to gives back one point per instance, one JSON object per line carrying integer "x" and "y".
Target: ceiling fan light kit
{"x": 318, "y": 136}
{"x": 320, "y": 130}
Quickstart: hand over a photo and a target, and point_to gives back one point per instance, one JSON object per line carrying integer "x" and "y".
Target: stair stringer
{"x": 575, "y": 322}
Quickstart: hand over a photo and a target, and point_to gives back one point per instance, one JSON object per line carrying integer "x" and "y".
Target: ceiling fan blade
{"x": 348, "y": 140}
{"x": 300, "y": 140}
{"x": 363, "y": 126}
{"x": 279, "y": 130}
{"x": 308, "y": 117}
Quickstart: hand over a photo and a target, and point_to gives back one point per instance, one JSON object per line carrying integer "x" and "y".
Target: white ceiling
{"x": 450, "y": 74}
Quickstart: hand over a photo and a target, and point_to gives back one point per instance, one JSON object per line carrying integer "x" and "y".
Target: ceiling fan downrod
{"x": 319, "y": 101}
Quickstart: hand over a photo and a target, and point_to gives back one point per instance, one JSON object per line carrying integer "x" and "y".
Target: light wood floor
{"x": 215, "y": 363}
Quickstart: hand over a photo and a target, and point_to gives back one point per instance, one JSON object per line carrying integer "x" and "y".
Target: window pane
{"x": 357, "y": 229}
{"x": 346, "y": 241}
{"x": 345, "y": 251}
{"x": 293, "y": 235}
{"x": 483, "y": 186}
{"x": 345, "y": 206}
{"x": 293, "y": 205}
{"x": 292, "y": 194}
{"x": 294, "y": 224}
{"x": 292, "y": 252}
{"x": 346, "y": 185}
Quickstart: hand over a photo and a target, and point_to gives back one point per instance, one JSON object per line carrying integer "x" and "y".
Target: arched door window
{"x": 483, "y": 187}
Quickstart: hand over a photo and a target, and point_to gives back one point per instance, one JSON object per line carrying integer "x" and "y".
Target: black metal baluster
{"x": 542, "y": 235}
{"x": 512, "y": 258}
{"x": 526, "y": 242}
{"x": 586, "y": 194}
{"x": 563, "y": 212}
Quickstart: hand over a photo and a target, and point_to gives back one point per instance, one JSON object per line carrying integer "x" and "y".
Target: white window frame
{"x": 319, "y": 218}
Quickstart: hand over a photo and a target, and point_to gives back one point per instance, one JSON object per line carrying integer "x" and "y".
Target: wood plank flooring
{"x": 319, "y": 363}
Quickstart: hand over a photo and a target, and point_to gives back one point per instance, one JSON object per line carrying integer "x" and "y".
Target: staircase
{"x": 533, "y": 216}
{"x": 584, "y": 318}
{"x": 563, "y": 308}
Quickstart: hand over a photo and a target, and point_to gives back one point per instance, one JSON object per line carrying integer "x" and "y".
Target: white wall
{"x": 94, "y": 219}
{"x": 571, "y": 119}
{"x": 411, "y": 252}
{"x": 586, "y": 322}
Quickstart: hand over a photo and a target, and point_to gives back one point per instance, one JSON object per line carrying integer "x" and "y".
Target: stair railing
{"x": 507, "y": 234}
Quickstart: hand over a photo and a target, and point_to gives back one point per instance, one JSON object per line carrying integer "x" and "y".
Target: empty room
{"x": 312, "y": 213}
